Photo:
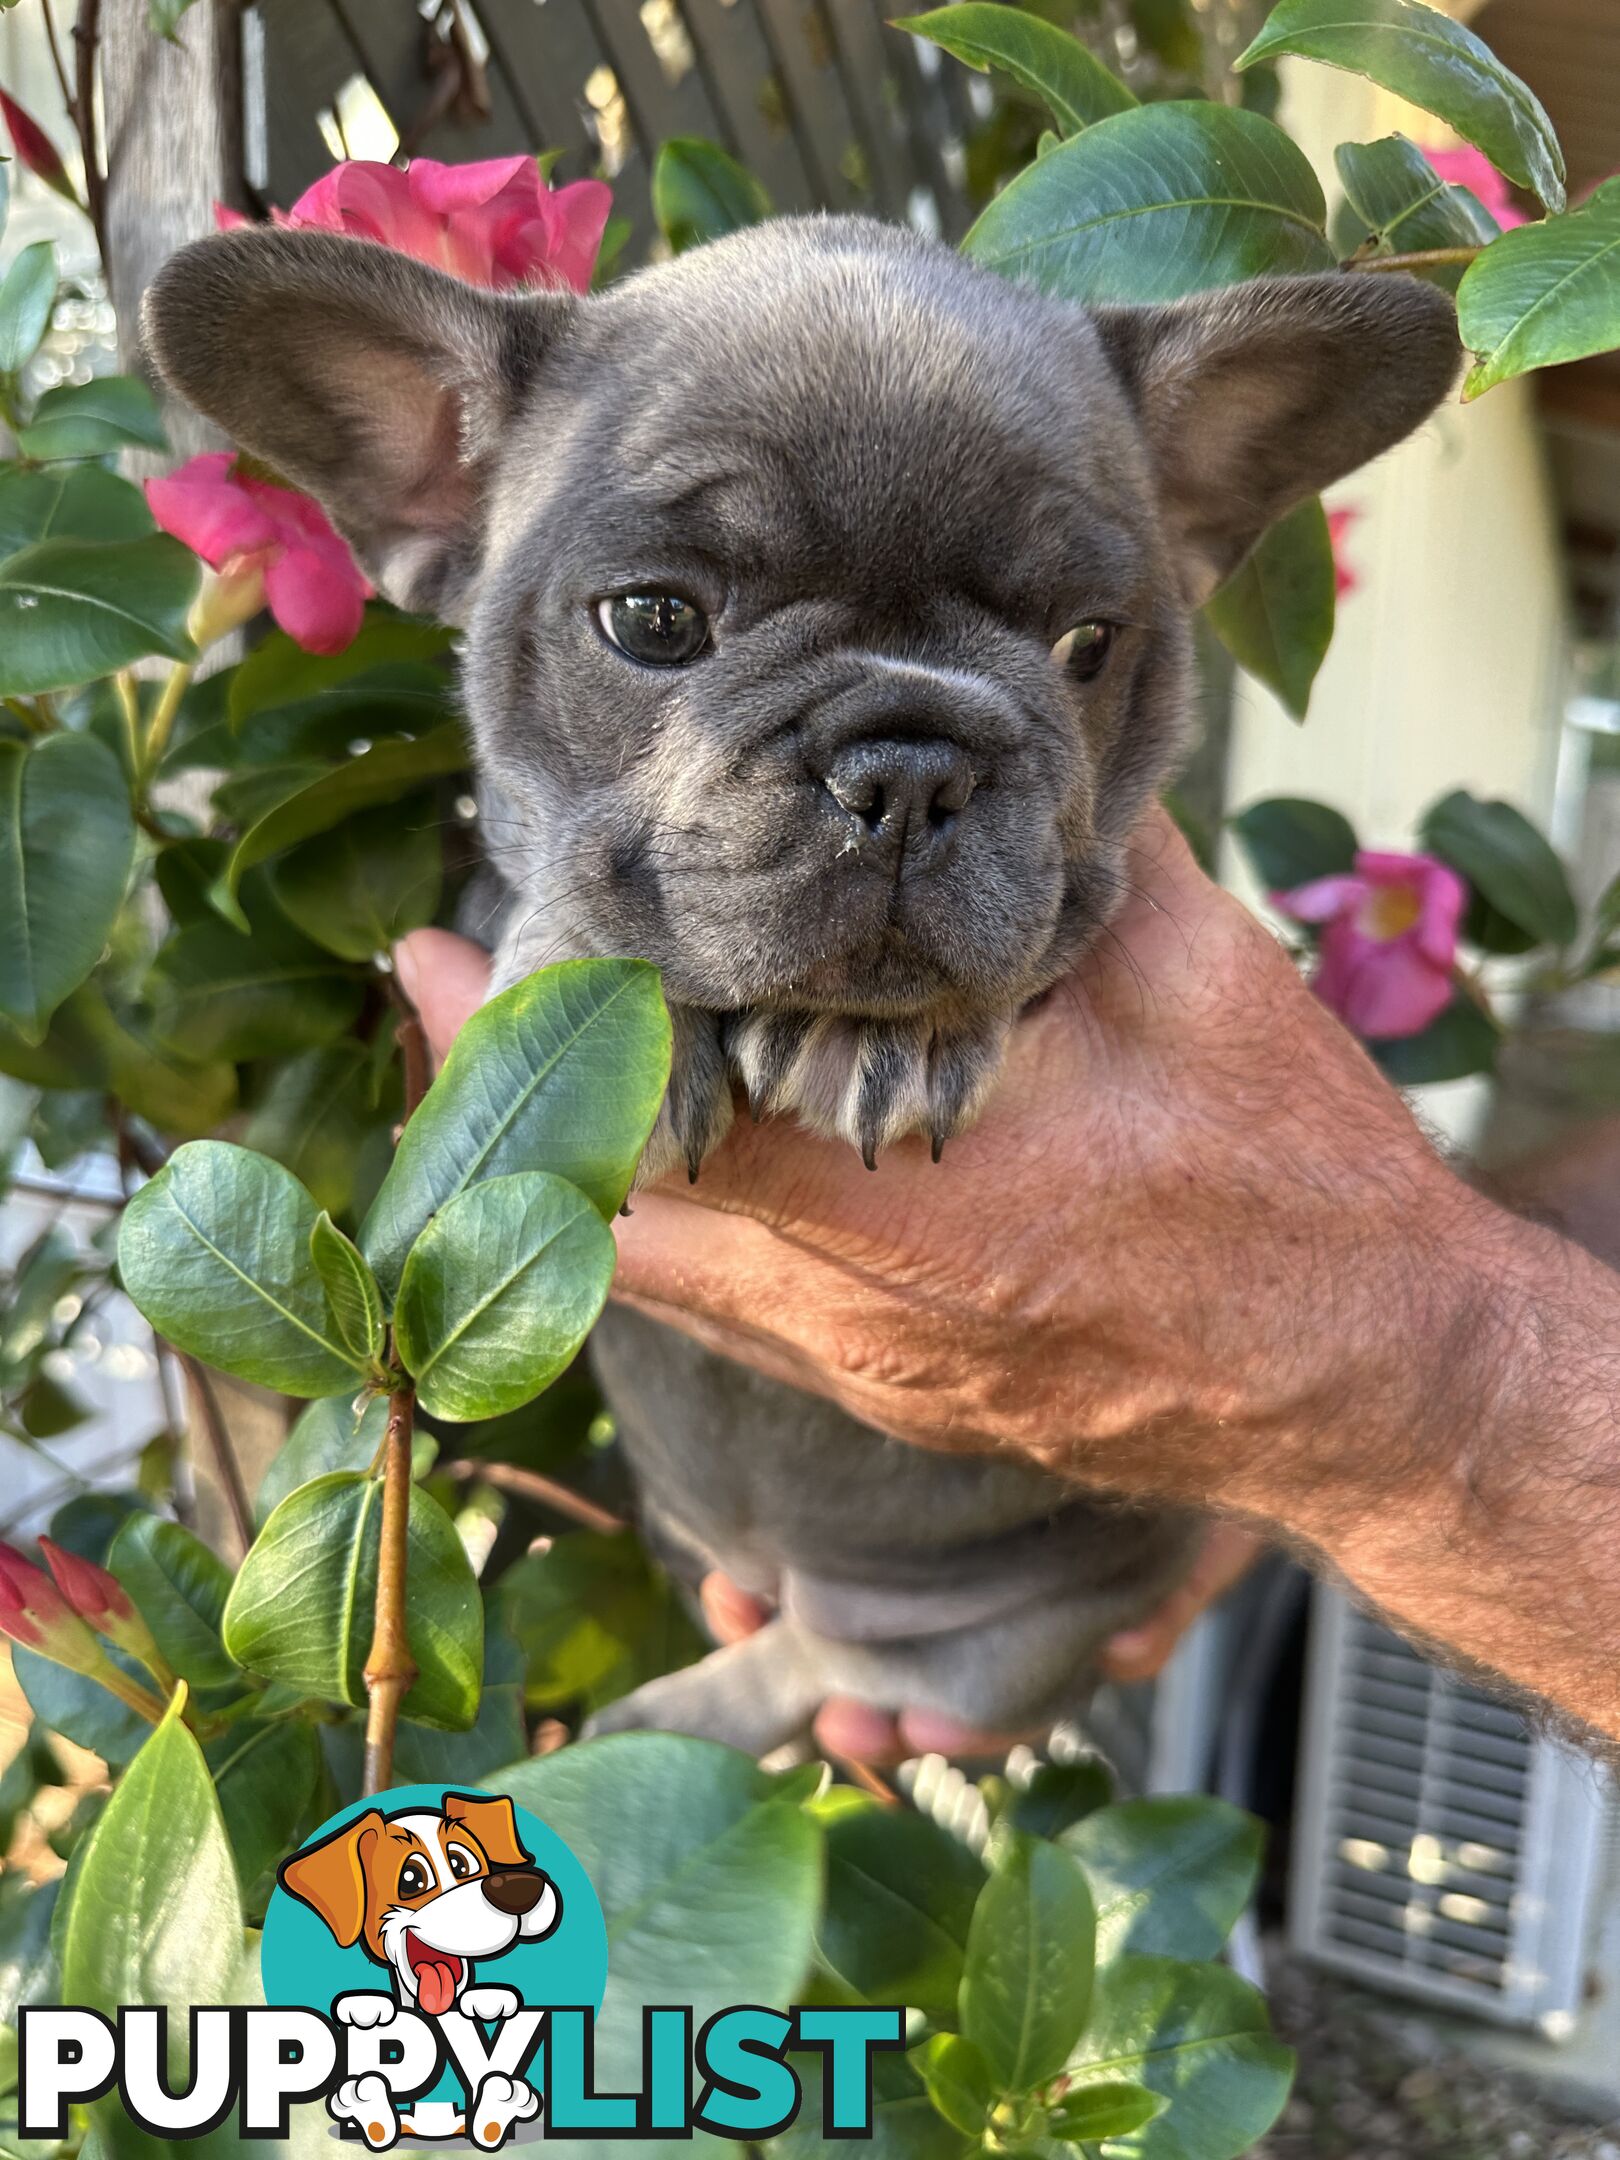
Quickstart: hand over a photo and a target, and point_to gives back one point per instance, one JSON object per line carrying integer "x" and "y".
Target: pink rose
{"x": 271, "y": 547}
{"x": 1388, "y": 943}
{"x": 1472, "y": 169}
{"x": 494, "y": 223}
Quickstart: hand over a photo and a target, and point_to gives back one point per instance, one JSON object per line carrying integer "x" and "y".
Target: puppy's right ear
{"x": 373, "y": 382}
{"x": 330, "y": 1878}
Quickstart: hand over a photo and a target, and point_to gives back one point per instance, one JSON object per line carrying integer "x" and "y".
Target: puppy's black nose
{"x": 900, "y": 799}
{"x": 515, "y": 1890}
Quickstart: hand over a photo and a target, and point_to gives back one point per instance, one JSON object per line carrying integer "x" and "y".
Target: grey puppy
{"x": 827, "y": 605}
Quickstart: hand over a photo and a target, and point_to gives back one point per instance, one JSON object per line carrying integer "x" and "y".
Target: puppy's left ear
{"x": 1252, "y": 398}
{"x": 330, "y": 1877}
{"x": 493, "y": 1823}
{"x": 378, "y": 385}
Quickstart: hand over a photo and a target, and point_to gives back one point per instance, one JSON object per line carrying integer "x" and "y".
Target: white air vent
{"x": 1443, "y": 1851}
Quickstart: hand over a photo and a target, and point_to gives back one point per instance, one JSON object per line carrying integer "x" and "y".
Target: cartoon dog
{"x": 425, "y": 1893}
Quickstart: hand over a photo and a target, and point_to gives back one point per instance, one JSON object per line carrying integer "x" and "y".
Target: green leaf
{"x": 315, "y": 804}
{"x": 80, "y": 1709}
{"x": 499, "y": 1292}
{"x": 1158, "y": 203}
{"x": 67, "y": 840}
{"x": 351, "y": 1289}
{"x": 1074, "y": 86}
{"x": 179, "y": 1588}
{"x": 958, "y": 2081}
{"x": 219, "y": 994}
{"x": 279, "y": 672}
{"x": 900, "y": 1899}
{"x": 1275, "y": 613}
{"x": 155, "y": 1915}
{"x": 1197, "y": 2036}
{"x": 1506, "y": 861}
{"x": 594, "y": 1618}
{"x": 564, "y": 1072}
{"x": 320, "y": 1115}
{"x": 1432, "y": 62}
{"x": 1030, "y": 1955}
{"x": 93, "y": 419}
{"x": 329, "y": 1435}
{"x": 74, "y": 610}
{"x": 708, "y": 1881}
{"x": 1457, "y": 1044}
{"x": 1103, "y": 2111}
{"x": 163, "y": 17}
{"x": 1543, "y": 294}
{"x": 68, "y": 502}
{"x": 357, "y": 889}
{"x": 27, "y": 294}
{"x": 699, "y": 193}
{"x": 1290, "y": 841}
{"x": 1169, "y": 30}
{"x": 266, "y": 1772}
{"x": 404, "y": 698}
{"x": 1167, "y": 1875}
{"x": 301, "y": 1609}
{"x": 215, "y": 1252}
{"x": 1398, "y": 200}
{"x": 1059, "y": 1795}
{"x": 110, "y": 1045}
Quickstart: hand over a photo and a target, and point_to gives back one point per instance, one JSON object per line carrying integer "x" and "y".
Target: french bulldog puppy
{"x": 827, "y": 628}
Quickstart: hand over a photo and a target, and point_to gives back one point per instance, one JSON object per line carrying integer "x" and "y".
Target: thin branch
{"x": 530, "y": 1485}
{"x": 62, "y": 82}
{"x": 863, "y": 1775}
{"x": 226, "y": 1467}
{"x": 413, "y": 1048}
{"x": 86, "y": 38}
{"x": 1420, "y": 259}
{"x": 390, "y": 1668}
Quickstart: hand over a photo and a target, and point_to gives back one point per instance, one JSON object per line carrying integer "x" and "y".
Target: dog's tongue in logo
{"x": 438, "y": 1976}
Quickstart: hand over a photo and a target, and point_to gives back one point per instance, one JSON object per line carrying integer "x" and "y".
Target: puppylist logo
{"x": 433, "y": 1963}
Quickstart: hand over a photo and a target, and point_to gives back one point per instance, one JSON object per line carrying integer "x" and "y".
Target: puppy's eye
{"x": 462, "y": 1864}
{"x": 658, "y": 629}
{"x": 414, "y": 1879}
{"x": 1084, "y": 650}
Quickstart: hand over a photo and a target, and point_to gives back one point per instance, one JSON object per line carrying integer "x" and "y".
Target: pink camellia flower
{"x": 1339, "y": 522}
{"x": 34, "y": 1612}
{"x": 493, "y": 223}
{"x": 1388, "y": 943}
{"x": 1472, "y": 169}
{"x": 270, "y": 546}
{"x": 36, "y": 153}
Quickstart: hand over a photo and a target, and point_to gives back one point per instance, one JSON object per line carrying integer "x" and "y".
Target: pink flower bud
{"x": 35, "y": 1613}
{"x": 94, "y": 1595}
{"x": 35, "y": 150}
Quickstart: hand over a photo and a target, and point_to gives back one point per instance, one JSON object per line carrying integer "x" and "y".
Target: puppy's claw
{"x": 869, "y": 1150}
{"x": 936, "y": 1145}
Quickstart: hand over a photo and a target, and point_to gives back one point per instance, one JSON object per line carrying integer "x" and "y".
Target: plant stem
{"x": 129, "y": 704}
{"x": 1419, "y": 259}
{"x": 30, "y": 719}
{"x": 130, "y": 1692}
{"x": 162, "y": 721}
{"x": 390, "y": 1668}
{"x": 86, "y": 36}
{"x": 226, "y": 1467}
{"x": 530, "y": 1485}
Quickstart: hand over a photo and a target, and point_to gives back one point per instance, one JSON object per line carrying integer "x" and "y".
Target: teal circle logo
{"x": 458, "y": 1907}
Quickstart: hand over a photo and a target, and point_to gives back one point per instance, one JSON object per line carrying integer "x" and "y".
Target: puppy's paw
{"x": 491, "y": 2002}
{"x": 369, "y": 2105}
{"x": 501, "y": 2102}
{"x": 365, "y": 2009}
{"x": 697, "y": 1109}
{"x": 869, "y": 1082}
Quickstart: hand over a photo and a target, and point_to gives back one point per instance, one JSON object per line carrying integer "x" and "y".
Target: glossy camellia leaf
{"x": 708, "y": 1880}
{"x": 1460, "y": 1042}
{"x": 1096, "y": 2112}
{"x": 301, "y": 1608}
{"x": 564, "y": 1072}
{"x": 1197, "y": 2036}
{"x": 1059, "y": 1795}
{"x": 593, "y": 1618}
{"x": 67, "y": 840}
{"x": 341, "y": 1433}
{"x": 361, "y": 886}
{"x": 80, "y": 1709}
{"x": 1169, "y": 1875}
{"x": 404, "y": 698}
{"x": 72, "y": 611}
{"x": 265, "y": 1771}
{"x": 154, "y": 1915}
{"x": 1506, "y": 860}
{"x": 93, "y": 419}
{"x": 179, "y": 1587}
{"x": 278, "y": 671}
{"x": 1432, "y": 62}
{"x": 351, "y": 1289}
{"x": 322, "y": 1115}
{"x": 68, "y": 502}
{"x": 1073, "y": 85}
{"x": 1290, "y": 840}
{"x": 215, "y": 1252}
{"x": 499, "y": 1292}
{"x": 1157, "y": 203}
{"x": 900, "y": 1899}
{"x": 314, "y": 802}
{"x": 699, "y": 193}
{"x": 1275, "y": 613}
{"x": 1399, "y": 203}
{"x": 1027, "y": 1980}
{"x": 1545, "y": 293}
{"x": 958, "y": 2081}
{"x": 216, "y": 993}
{"x": 27, "y": 292}
{"x": 111, "y": 1045}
